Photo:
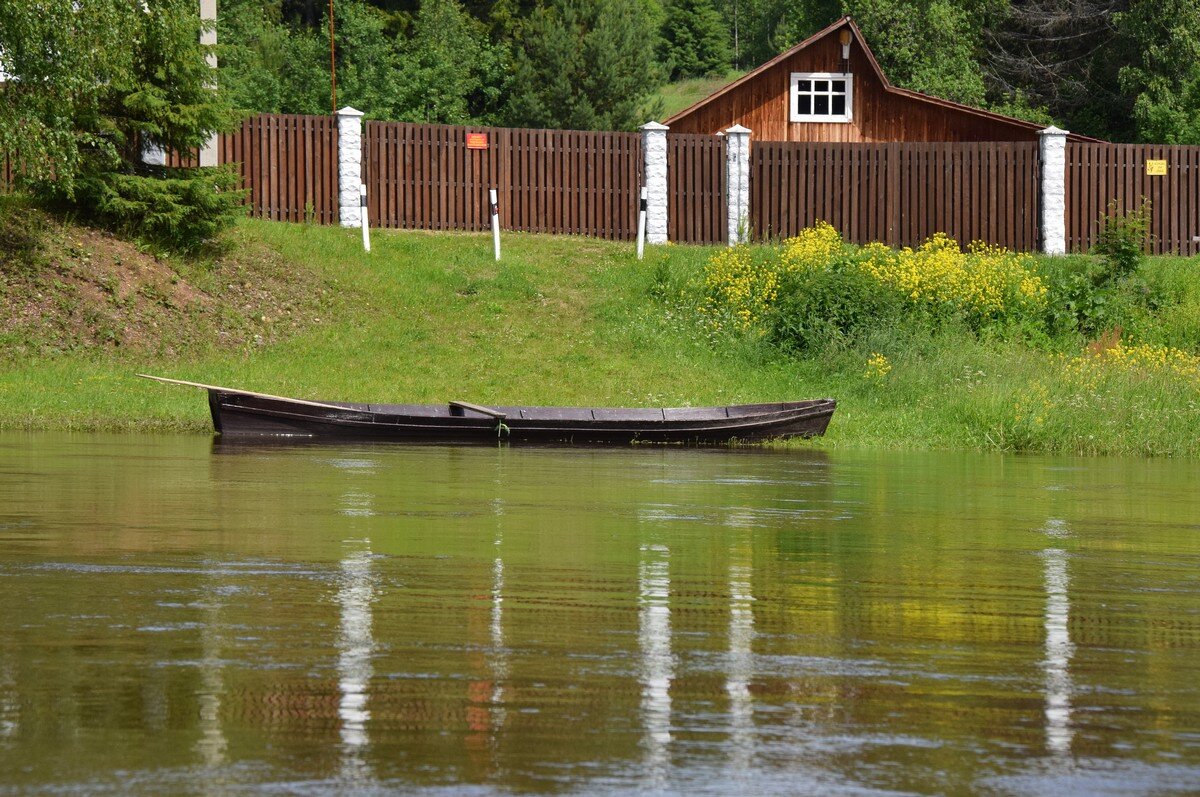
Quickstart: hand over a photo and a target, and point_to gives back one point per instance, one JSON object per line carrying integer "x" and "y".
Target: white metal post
{"x": 495, "y": 221}
{"x": 362, "y": 209}
{"x": 641, "y": 233}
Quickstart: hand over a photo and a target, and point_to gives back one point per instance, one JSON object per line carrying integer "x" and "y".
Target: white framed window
{"x": 822, "y": 97}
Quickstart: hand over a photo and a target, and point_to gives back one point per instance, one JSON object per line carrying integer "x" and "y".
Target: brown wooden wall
{"x": 1100, "y": 173}
{"x": 696, "y": 195}
{"x": 553, "y": 181}
{"x": 899, "y": 194}
{"x": 761, "y": 104}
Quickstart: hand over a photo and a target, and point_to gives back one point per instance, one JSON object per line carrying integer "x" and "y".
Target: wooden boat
{"x": 244, "y": 413}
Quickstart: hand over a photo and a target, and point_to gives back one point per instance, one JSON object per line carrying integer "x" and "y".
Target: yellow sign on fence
{"x": 1156, "y": 168}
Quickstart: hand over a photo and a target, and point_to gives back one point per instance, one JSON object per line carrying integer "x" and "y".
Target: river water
{"x": 186, "y": 617}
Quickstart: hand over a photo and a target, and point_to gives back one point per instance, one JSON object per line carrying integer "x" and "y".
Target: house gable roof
{"x": 847, "y": 22}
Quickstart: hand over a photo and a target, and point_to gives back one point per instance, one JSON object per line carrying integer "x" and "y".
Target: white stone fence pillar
{"x": 737, "y": 183}
{"x": 654, "y": 150}
{"x": 350, "y": 176}
{"x": 1054, "y": 191}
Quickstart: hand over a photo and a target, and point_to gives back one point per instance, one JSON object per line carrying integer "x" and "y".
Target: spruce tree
{"x": 583, "y": 64}
{"x": 695, "y": 40}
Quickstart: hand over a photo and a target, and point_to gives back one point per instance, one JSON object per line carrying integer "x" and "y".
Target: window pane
{"x": 821, "y": 105}
{"x": 839, "y": 104}
{"x": 804, "y": 86}
{"x": 839, "y": 86}
{"x": 804, "y": 104}
{"x": 820, "y": 85}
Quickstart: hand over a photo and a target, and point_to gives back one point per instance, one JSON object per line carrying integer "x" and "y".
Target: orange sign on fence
{"x": 477, "y": 140}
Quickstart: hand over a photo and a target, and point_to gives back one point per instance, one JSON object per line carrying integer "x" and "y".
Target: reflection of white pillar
{"x": 1059, "y": 649}
{"x": 740, "y": 669}
{"x": 654, "y": 637}
{"x": 212, "y": 745}
{"x": 10, "y": 709}
{"x": 356, "y": 644}
{"x": 499, "y": 653}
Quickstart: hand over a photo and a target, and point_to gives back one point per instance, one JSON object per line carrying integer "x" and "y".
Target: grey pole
{"x": 495, "y": 222}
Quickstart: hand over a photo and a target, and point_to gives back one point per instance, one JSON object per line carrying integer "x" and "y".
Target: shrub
{"x": 1121, "y": 243}
{"x": 183, "y": 210}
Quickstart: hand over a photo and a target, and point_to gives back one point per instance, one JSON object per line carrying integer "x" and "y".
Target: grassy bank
{"x": 431, "y": 317}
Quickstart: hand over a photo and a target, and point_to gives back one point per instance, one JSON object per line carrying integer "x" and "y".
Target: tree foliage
{"x": 583, "y": 64}
{"x": 695, "y": 40}
{"x": 94, "y": 83}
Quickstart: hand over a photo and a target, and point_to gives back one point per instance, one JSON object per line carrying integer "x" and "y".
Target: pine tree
{"x": 451, "y": 73}
{"x": 583, "y": 64}
{"x": 695, "y": 40}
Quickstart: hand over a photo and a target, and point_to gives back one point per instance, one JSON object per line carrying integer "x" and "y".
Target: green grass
{"x": 426, "y": 317}
{"x": 430, "y": 317}
{"x": 685, "y": 93}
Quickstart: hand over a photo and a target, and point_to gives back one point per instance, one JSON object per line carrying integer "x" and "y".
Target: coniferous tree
{"x": 695, "y": 40}
{"x": 94, "y": 83}
{"x": 451, "y": 73}
{"x": 583, "y": 64}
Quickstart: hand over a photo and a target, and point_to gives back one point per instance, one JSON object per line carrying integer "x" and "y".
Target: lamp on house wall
{"x": 844, "y": 38}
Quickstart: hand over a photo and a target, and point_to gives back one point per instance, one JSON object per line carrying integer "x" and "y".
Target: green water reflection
{"x": 185, "y": 617}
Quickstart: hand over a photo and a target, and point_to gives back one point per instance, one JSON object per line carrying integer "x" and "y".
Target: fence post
{"x": 1054, "y": 191}
{"x": 654, "y": 150}
{"x": 350, "y": 176}
{"x": 737, "y": 184}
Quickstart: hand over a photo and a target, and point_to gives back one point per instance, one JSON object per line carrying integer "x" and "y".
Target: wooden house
{"x": 829, "y": 87}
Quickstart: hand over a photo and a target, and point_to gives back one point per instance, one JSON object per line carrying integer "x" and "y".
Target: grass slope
{"x": 685, "y": 93}
{"x": 424, "y": 317}
{"x": 431, "y": 317}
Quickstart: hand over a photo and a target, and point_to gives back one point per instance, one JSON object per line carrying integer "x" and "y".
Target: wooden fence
{"x": 696, "y": 196}
{"x": 288, "y": 163}
{"x": 899, "y": 194}
{"x": 1101, "y": 173}
{"x": 554, "y": 181}
{"x": 586, "y": 183}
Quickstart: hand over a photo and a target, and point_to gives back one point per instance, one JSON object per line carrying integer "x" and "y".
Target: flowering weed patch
{"x": 817, "y": 285}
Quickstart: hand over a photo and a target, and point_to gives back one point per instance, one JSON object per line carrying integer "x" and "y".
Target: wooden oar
{"x": 246, "y": 393}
